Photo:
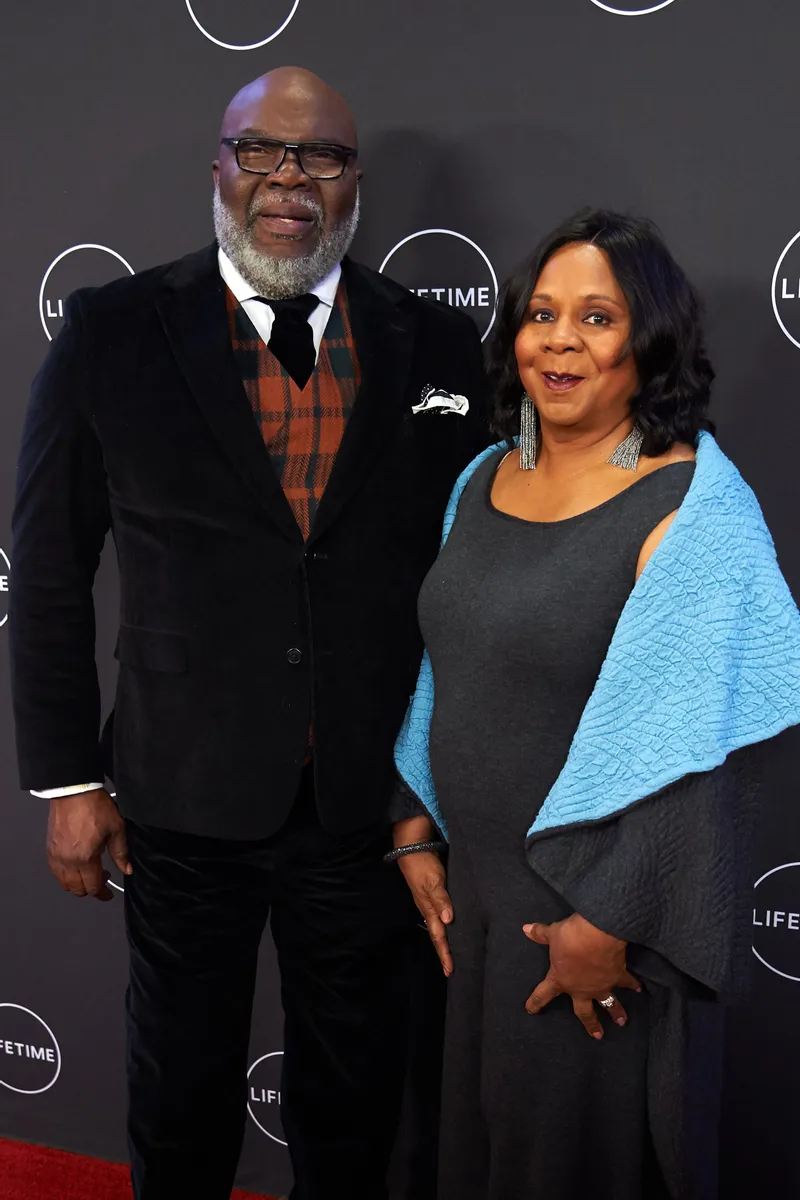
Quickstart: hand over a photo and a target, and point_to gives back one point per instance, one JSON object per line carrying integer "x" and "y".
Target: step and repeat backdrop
{"x": 483, "y": 122}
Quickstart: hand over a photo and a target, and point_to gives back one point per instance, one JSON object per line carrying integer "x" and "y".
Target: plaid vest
{"x": 302, "y": 430}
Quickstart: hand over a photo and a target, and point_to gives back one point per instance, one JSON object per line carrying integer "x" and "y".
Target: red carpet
{"x": 35, "y": 1173}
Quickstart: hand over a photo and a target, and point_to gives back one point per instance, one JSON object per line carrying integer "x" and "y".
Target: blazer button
{"x": 294, "y": 656}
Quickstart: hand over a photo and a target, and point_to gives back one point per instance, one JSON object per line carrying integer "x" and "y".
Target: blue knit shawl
{"x": 705, "y": 659}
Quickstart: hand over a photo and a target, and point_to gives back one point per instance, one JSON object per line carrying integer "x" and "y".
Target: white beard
{"x": 282, "y": 278}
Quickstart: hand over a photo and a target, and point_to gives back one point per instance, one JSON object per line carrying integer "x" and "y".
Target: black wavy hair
{"x": 666, "y": 328}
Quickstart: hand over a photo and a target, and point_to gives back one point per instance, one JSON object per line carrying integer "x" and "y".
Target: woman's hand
{"x": 585, "y": 964}
{"x": 425, "y": 875}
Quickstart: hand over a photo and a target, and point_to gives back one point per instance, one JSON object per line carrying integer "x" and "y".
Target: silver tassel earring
{"x": 528, "y": 434}
{"x": 627, "y": 452}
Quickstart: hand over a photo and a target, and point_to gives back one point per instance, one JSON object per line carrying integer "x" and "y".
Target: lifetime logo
{"x": 634, "y": 10}
{"x": 423, "y": 260}
{"x": 264, "y": 1095}
{"x": 87, "y": 264}
{"x": 5, "y": 573}
{"x": 247, "y": 22}
{"x": 30, "y": 1057}
{"x": 786, "y": 290}
{"x": 772, "y": 919}
{"x": 22, "y": 1050}
{"x": 776, "y": 919}
{"x": 456, "y": 297}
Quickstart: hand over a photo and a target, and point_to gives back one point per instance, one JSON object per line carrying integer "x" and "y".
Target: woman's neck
{"x": 566, "y": 450}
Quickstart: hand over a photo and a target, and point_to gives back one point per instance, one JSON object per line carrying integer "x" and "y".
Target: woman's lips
{"x": 560, "y": 383}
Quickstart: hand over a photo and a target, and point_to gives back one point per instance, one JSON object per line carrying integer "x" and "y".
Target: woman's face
{"x": 571, "y": 346}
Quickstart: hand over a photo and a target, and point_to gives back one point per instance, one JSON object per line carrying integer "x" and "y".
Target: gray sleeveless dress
{"x": 517, "y": 617}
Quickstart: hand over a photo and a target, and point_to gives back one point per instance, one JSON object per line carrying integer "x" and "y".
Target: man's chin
{"x": 274, "y": 245}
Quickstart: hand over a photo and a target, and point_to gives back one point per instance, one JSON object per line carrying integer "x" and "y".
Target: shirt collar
{"x": 325, "y": 290}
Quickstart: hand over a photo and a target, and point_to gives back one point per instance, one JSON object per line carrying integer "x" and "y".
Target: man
{"x": 244, "y": 415}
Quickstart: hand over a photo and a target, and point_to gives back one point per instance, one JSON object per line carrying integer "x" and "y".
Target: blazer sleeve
{"x": 60, "y": 521}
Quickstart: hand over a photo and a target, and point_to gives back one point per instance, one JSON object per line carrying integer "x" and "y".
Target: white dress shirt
{"x": 263, "y": 318}
{"x": 262, "y": 315}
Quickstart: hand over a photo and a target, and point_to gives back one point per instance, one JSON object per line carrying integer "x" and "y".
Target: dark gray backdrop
{"x": 490, "y": 119}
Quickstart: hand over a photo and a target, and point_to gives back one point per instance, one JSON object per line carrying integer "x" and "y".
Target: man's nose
{"x": 289, "y": 174}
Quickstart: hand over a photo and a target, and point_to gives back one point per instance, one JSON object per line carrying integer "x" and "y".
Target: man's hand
{"x": 425, "y": 874}
{"x": 585, "y": 964}
{"x": 79, "y": 829}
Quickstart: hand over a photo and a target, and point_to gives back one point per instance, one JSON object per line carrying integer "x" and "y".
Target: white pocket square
{"x": 437, "y": 399}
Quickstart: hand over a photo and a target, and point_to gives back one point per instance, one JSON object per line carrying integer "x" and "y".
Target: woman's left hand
{"x": 585, "y": 964}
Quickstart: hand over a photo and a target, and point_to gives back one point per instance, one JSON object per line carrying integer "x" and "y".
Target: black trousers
{"x": 343, "y": 926}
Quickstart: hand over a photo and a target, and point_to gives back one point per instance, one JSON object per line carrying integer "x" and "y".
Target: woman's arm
{"x": 670, "y": 878}
{"x": 425, "y": 874}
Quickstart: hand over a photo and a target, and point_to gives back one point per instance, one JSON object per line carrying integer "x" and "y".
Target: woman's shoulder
{"x": 680, "y": 452}
{"x": 486, "y": 461}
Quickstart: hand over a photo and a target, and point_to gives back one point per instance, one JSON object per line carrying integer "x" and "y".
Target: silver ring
{"x": 609, "y": 1002}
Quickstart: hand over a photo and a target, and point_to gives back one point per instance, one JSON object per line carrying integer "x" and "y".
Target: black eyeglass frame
{"x": 297, "y": 147}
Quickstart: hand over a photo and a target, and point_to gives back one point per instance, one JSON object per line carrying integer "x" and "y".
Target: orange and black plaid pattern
{"x": 302, "y": 430}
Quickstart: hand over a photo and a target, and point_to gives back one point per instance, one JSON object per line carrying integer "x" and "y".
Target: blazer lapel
{"x": 193, "y": 313}
{"x": 384, "y": 337}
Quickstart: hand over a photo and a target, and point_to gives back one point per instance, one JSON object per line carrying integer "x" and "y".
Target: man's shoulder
{"x": 439, "y": 317}
{"x": 124, "y": 296}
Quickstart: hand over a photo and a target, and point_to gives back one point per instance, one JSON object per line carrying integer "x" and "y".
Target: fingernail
{"x": 639, "y": 990}
{"x": 527, "y": 928}
{"x": 620, "y": 1020}
{"x": 447, "y": 916}
{"x": 597, "y": 1036}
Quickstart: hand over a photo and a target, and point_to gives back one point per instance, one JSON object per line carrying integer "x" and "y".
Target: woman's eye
{"x": 541, "y": 316}
{"x": 597, "y": 319}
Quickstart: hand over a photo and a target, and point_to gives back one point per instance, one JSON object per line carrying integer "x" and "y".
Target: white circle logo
{"x": 30, "y": 1058}
{"x": 264, "y": 1095}
{"x": 244, "y": 23}
{"x": 5, "y": 577}
{"x": 447, "y": 266}
{"x": 635, "y": 9}
{"x": 776, "y": 921}
{"x": 786, "y": 290}
{"x": 92, "y": 267}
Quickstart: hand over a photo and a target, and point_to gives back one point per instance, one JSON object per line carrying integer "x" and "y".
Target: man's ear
{"x": 215, "y": 170}
{"x": 359, "y": 175}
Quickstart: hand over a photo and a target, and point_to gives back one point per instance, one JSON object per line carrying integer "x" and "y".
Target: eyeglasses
{"x": 318, "y": 160}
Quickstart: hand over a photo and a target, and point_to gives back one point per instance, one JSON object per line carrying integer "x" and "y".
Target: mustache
{"x": 258, "y": 205}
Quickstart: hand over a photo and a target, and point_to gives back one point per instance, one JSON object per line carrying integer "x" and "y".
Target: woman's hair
{"x": 666, "y": 332}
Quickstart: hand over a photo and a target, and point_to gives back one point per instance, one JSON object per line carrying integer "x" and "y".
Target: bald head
{"x": 290, "y": 104}
{"x": 285, "y": 217}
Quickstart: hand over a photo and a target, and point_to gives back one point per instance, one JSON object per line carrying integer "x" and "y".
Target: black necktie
{"x": 292, "y": 338}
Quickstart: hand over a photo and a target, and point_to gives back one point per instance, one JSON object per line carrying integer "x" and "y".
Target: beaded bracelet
{"x": 413, "y": 848}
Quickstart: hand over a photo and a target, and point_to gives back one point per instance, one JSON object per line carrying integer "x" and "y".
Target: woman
{"x": 608, "y": 632}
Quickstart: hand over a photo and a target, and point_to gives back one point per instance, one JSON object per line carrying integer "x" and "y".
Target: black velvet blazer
{"x": 139, "y": 423}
